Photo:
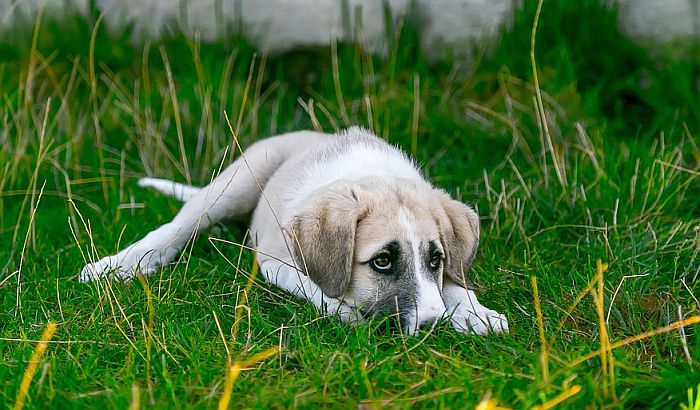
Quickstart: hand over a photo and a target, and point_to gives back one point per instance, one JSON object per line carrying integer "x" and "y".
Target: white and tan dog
{"x": 346, "y": 221}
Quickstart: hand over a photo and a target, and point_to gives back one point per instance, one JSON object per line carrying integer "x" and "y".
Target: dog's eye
{"x": 381, "y": 263}
{"x": 435, "y": 260}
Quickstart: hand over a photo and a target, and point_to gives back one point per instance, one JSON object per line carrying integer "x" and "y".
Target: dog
{"x": 344, "y": 220}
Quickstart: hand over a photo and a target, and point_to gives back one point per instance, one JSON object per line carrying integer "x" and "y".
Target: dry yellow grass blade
{"x": 673, "y": 326}
{"x": 544, "y": 358}
{"x": 235, "y": 369}
{"x": 231, "y": 376}
{"x": 605, "y": 354}
{"x": 34, "y": 364}
{"x": 148, "y": 328}
{"x": 241, "y": 307}
{"x": 539, "y": 105}
{"x": 487, "y": 403}
{"x": 135, "y": 397}
{"x": 572, "y": 391}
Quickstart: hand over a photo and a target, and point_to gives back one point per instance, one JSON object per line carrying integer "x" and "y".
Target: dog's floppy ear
{"x": 323, "y": 236}
{"x": 459, "y": 228}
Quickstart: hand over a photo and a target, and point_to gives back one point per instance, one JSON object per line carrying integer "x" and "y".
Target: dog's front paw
{"x": 122, "y": 266}
{"x": 479, "y": 321}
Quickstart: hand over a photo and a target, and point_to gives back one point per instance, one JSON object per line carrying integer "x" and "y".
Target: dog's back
{"x": 350, "y": 155}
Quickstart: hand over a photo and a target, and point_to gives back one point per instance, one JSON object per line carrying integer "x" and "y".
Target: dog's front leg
{"x": 158, "y": 247}
{"x": 468, "y": 315}
{"x": 231, "y": 194}
{"x": 285, "y": 276}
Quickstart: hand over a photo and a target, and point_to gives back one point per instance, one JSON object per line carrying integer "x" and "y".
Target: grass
{"x": 605, "y": 168}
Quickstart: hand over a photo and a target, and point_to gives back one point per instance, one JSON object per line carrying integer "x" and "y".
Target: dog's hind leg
{"x": 181, "y": 192}
{"x": 234, "y": 193}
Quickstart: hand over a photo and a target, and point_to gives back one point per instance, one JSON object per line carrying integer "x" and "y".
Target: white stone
{"x": 279, "y": 25}
{"x": 660, "y": 21}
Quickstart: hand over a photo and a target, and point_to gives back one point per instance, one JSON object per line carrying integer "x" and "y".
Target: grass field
{"x": 595, "y": 158}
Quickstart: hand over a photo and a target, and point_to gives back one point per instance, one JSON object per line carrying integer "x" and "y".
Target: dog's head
{"x": 386, "y": 246}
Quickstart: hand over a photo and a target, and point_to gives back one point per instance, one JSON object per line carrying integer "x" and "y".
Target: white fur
{"x": 429, "y": 304}
{"x": 181, "y": 192}
{"x": 468, "y": 315}
{"x": 360, "y": 161}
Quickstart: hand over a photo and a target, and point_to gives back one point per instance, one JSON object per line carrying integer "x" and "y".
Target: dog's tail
{"x": 181, "y": 192}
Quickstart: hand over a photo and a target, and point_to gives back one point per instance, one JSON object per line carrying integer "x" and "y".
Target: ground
{"x": 594, "y": 158}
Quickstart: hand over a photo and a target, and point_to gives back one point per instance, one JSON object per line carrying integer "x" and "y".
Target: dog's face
{"x": 386, "y": 246}
{"x": 398, "y": 265}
